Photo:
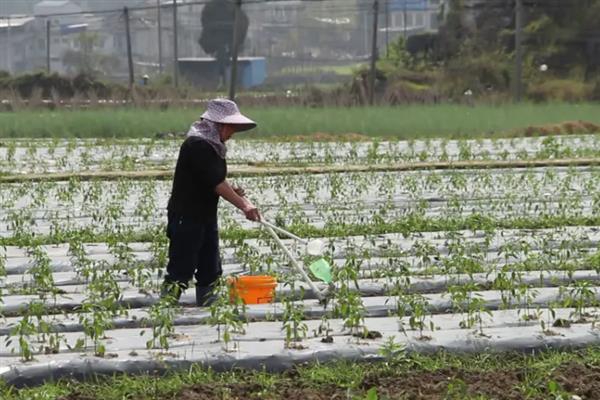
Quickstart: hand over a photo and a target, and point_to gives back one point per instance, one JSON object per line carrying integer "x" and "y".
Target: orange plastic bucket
{"x": 252, "y": 289}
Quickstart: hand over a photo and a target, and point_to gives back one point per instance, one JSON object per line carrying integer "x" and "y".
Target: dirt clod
{"x": 562, "y": 323}
{"x": 327, "y": 339}
{"x": 368, "y": 335}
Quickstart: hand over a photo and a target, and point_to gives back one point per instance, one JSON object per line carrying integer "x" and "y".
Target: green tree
{"x": 563, "y": 35}
{"x": 559, "y": 34}
{"x": 453, "y": 33}
{"x": 476, "y": 43}
{"x": 397, "y": 54}
{"x": 216, "y": 39}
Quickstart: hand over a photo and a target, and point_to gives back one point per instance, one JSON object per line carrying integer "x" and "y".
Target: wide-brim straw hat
{"x": 225, "y": 111}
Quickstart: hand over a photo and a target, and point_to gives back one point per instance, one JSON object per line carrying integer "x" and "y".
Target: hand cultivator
{"x": 320, "y": 268}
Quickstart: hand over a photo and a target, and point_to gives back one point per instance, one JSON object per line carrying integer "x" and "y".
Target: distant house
{"x": 292, "y": 33}
{"x": 412, "y": 16}
{"x": 65, "y": 29}
{"x": 271, "y": 26}
{"x": 105, "y": 33}
{"x": 188, "y": 32}
{"x": 23, "y": 48}
{"x": 50, "y": 7}
{"x": 144, "y": 30}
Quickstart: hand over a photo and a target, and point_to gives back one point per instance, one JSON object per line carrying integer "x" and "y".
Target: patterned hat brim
{"x": 242, "y": 122}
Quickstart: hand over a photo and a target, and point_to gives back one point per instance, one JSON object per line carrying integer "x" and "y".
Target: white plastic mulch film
{"x": 461, "y": 260}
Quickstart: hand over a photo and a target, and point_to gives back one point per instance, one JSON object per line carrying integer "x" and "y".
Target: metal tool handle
{"x": 295, "y": 264}
{"x": 280, "y": 230}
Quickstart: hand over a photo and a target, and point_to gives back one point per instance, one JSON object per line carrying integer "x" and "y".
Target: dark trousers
{"x": 193, "y": 251}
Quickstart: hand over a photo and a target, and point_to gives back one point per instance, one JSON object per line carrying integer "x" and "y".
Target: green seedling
{"x": 161, "y": 316}
{"x": 99, "y": 308}
{"x": 225, "y": 314}
{"x": 393, "y": 352}
{"x": 23, "y": 330}
{"x": 293, "y": 323}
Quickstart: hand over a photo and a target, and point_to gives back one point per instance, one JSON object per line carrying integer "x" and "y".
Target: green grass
{"x": 534, "y": 372}
{"x": 403, "y": 122}
{"x": 95, "y": 123}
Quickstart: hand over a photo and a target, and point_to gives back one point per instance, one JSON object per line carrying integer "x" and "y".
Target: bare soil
{"x": 578, "y": 379}
{"x": 563, "y": 128}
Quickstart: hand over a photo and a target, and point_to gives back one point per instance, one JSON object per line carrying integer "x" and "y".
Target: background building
{"x": 300, "y": 41}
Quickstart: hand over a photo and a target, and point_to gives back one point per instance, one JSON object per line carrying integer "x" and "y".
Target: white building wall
{"x": 22, "y": 49}
{"x": 49, "y": 7}
{"x": 417, "y": 21}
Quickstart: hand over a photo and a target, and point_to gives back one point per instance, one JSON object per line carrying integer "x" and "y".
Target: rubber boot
{"x": 171, "y": 290}
{"x": 204, "y": 296}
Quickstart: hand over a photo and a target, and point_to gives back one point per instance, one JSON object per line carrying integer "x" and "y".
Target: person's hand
{"x": 251, "y": 212}
{"x": 240, "y": 191}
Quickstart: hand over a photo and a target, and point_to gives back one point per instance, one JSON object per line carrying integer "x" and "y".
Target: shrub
{"x": 84, "y": 83}
{"x": 560, "y": 90}
{"x": 595, "y": 92}
{"x": 32, "y": 85}
{"x": 402, "y": 92}
{"x": 482, "y": 74}
{"x": 27, "y": 84}
{"x": 423, "y": 44}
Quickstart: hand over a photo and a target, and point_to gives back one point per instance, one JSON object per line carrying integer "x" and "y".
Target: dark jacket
{"x": 199, "y": 170}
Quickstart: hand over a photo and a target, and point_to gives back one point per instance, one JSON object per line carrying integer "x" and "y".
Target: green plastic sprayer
{"x": 320, "y": 268}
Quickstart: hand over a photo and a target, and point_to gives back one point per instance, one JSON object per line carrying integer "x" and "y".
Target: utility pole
{"x": 175, "y": 50}
{"x": 405, "y": 19}
{"x": 129, "y": 54}
{"x": 48, "y": 38}
{"x": 387, "y": 27}
{"x": 373, "y": 53}
{"x": 518, "y": 74}
{"x": 366, "y": 31}
{"x": 8, "y": 45}
{"x": 234, "y": 55}
{"x": 159, "y": 20}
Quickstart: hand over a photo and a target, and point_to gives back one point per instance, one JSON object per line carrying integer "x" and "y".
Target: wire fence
{"x": 284, "y": 44}
{"x": 289, "y": 42}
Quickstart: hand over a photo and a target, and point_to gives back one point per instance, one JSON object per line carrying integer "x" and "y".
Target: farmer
{"x": 198, "y": 183}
